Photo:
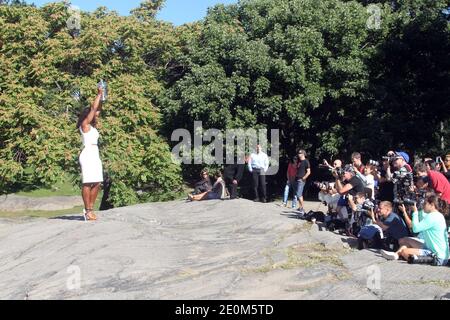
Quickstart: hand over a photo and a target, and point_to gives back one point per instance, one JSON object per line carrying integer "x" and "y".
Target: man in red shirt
{"x": 437, "y": 180}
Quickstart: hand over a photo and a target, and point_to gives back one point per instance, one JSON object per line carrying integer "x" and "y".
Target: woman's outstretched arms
{"x": 94, "y": 108}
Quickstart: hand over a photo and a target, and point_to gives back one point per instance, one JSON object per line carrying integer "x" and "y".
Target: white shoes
{"x": 389, "y": 255}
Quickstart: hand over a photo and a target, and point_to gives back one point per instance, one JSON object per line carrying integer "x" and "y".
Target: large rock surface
{"x": 205, "y": 250}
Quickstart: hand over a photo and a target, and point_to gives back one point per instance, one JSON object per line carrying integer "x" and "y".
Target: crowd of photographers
{"x": 390, "y": 205}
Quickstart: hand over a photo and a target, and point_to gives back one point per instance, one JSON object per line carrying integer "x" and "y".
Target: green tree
{"x": 45, "y": 67}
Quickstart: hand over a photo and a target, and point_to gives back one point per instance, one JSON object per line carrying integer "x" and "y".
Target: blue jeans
{"x": 290, "y": 185}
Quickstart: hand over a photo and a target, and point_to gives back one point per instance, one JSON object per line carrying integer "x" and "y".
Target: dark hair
{"x": 420, "y": 167}
{"x": 361, "y": 195}
{"x": 292, "y": 159}
{"x": 431, "y": 163}
{"x": 218, "y": 174}
{"x": 441, "y": 205}
{"x": 83, "y": 115}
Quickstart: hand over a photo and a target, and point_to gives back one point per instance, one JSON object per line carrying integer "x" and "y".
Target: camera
{"x": 403, "y": 181}
{"x": 389, "y": 158}
{"x": 340, "y": 172}
{"x": 368, "y": 205}
{"x": 416, "y": 199}
{"x": 374, "y": 163}
{"x": 322, "y": 185}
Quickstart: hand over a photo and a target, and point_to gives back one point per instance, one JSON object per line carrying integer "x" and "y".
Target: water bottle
{"x": 102, "y": 84}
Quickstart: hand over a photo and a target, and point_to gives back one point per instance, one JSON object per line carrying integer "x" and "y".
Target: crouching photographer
{"x": 385, "y": 231}
{"x": 362, "y": 212}
{"x": 328, "y": 195}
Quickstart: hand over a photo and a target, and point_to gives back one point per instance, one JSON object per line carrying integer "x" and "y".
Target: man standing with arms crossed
{"x": 303, "y": 172}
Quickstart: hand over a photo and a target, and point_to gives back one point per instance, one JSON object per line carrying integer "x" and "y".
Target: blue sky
{"x": 175, "y": 11}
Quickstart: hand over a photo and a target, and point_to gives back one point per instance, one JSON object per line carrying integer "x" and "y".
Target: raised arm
{"x": 94, "y": 108}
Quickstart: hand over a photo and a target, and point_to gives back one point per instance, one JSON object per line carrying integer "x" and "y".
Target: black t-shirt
{"x": 385, "y": 189}
{"x": 447, "y": 175}
{"x": 357, "y": 184}
{"x": 301, "y": 168}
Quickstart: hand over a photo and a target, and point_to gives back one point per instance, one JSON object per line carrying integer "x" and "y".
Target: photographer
{"x": 385, "y": 187}
{"x": 328, "y": 195}
{"x": 446, "y": 167}
{"x": 361, "y": 212}
{"x": 402, "y": 177}
{"x": 437, "y": 180}
{"x": 336, "y": 164}
{"x": 357, "y": 162}
{"x": 431, "y": 224}
{"x": 392, "y": 225}
{"x": 352, "y": 186}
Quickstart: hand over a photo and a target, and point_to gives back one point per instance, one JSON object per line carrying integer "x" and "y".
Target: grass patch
{"x": 304, "y": 256}
{"x": 440, "y": 283}
{"x": 308, "y": 255}
{"x": 40, "y": 214}
{"x": 48, "y": 214}
{"x": 62, "y": 188}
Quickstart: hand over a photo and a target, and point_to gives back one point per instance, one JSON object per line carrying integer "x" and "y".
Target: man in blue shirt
{"x": 258, "y": 166}
{"x": 393, "y": 226}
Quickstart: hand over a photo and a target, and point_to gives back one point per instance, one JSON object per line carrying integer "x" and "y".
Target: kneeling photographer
{"x": 386, "y": 228}
{"x": 362, "y": 212}
{"x": 328, "y": 195}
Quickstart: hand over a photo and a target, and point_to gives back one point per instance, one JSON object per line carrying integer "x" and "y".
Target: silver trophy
{"x": 102, "y": 84}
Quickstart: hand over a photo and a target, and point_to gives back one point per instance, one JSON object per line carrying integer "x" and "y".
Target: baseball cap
{"x": 401, "y": 154}
{"x": 349, "y": 168}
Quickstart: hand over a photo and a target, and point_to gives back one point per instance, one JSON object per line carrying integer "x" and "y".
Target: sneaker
{"x": 389, "y": 255}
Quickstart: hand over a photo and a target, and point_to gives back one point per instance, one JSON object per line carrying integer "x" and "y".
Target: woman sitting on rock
{"x": 218, "y": 190}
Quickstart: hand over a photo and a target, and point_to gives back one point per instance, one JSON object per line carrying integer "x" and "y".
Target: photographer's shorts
{"x": 300, "y": 187}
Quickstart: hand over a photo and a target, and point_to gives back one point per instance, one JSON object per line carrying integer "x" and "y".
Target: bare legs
{"x": 409, "y": 247}
{"x": 405, "y": 252}
{"x": 89, "y": 193}
{"x": 198, "y": 197}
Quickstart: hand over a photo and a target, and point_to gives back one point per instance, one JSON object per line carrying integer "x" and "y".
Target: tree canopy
{"x": 334, "y": 76}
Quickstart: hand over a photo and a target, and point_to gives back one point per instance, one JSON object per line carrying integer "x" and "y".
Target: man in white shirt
{"x": 258, "y": 166}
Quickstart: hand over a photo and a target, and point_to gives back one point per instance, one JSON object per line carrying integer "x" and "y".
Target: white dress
{"x": 91, "y": 165}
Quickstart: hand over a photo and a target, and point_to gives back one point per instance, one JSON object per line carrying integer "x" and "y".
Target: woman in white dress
{"x": 91, "y": 165}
